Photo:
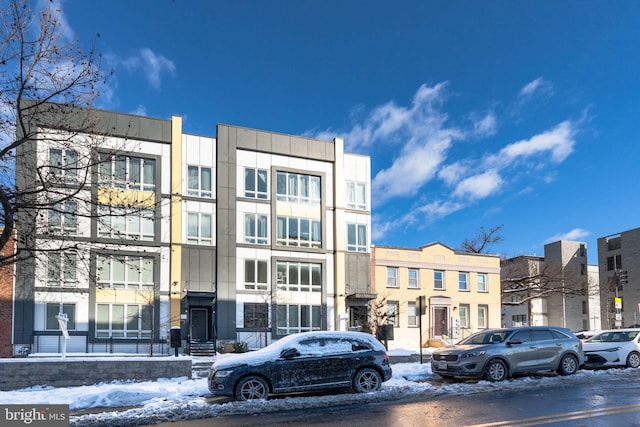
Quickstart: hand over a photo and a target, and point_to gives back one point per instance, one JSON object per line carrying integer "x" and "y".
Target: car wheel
{"x": 251, "y": 388}
{"x": 367, "y": 380}
{"x": 633, "y": 360}
{"x": 568, "y": 365}
{"x": 496, "y": 370}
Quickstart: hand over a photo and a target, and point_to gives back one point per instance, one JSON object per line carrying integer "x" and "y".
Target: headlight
{"x": 473, "y": 354}
{"x": 221, "y": 374}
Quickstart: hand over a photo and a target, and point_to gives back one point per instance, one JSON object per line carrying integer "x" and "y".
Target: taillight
{"x": 385, "y": 356}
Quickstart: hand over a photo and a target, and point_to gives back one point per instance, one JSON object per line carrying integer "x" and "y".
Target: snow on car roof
{"x": 272, "y": 351}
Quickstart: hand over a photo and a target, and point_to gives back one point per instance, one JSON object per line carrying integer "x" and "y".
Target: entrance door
{"x": 199, "y": 324}
{"x": 440, "y": 321}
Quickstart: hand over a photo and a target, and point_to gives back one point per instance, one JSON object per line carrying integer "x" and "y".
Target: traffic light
{"x": 623, "y": 278}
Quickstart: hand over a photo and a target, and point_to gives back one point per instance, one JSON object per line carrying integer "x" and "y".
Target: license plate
{"x": 442, "y": 366}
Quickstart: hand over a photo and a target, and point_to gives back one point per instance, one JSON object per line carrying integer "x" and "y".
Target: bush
{"x": 240, "y": 347}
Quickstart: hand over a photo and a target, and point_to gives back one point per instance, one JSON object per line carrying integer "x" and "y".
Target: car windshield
{"x": 614, "y": 336}
{"x": 487, "y": 337}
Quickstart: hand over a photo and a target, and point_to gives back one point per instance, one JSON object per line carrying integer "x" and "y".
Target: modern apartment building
{"x": 460, "y": 290}
{"x": 550, "y": 290}
{"x": 246, "y": 235}
{"x": 619, "y": 263}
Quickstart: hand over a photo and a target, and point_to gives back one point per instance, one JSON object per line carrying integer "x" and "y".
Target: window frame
{"x": 200, "y": 190}
{"x": 412, "y": 314}
{"x": 466, "y": 308}
{"x": 411, "y": 280}
{"x": 392, "y": 279}
{"x": 257, "y": 191}
{"x": 256, "y": 228}
{"x": 355, "y": 192}
{"x": 199, "y": 238}
{"x": 62, "y": 269}
{"x": 483, "y": 316}
{"x": 485, "y": 282}
{"x": 121, "y": 167}
{"x": 66, "y": 224}
{"x": 51, "y": 323}
{"x": 66, "y": 171}
{"x": 463, "y": 281}
{"x": 290, "y": 232}
{"x": 298, "y": 188}
{"x": 143, "y": 267}
{"x": 441, "y": 280}
{"x": 128, "y": 223}
{"x": 256, "y": 268}
{"x": 293, "y": 318}
{"x": 255, "y": 309}
{"x": 144, "y": 315}
{"x": 393, "y": 313}
{"x": 356, "y": 237}
{"x": 288, "y": 271}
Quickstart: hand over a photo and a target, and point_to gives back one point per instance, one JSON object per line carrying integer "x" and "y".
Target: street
{"x": 588, "y": 403}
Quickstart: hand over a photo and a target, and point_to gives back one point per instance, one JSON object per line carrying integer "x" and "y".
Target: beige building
{"x": 619, "y": 262}
{"x": 461, "y": 292}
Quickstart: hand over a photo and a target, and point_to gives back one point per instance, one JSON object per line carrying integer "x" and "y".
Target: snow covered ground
{"x": 183, "y": 399}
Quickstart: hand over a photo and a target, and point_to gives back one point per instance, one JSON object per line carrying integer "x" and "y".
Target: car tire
{"x": 251, "y": 388}
{"x": 633, "y": 359}
{"x": 496, "y": 370}
{"x": 568, "y": 365}
{"x": 367, "y": 380}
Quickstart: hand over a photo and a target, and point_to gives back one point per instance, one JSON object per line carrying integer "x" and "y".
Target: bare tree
{"x": 45, "y": 77}
{"x": 482, "y": 240}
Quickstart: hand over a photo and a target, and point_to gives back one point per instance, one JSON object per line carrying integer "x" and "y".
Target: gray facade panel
{"x": 198, "y": 268}
{"x": 247, "y": 138}
{"x": 264, "y": 142}
{"x": 299, "y": 147}
{"x": 281, "y": 144}
{"x": 357, "y": 273}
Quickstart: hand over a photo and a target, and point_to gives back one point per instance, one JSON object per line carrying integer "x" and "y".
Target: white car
{"x": 616, "y": 347}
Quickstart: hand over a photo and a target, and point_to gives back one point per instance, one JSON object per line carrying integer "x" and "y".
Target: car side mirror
{"x": 512, "y": 342}
{"x": 289, "y": 353}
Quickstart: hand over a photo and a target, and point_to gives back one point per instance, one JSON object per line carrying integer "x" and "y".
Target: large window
{"x": 63, "y": 219}
{"x": 297, "y": 188}
{"x": 255, "y": 229}
{"x": 63, "y": 165}
{"x": 483, "y": 312}
{"x": 302, "y": 232}
{"x": 255, "y": 274}
{"x": 61, "y": 269}
{"x": 463, "y": 312}
{"x": 124, "y": 272}
{"x": 256, "y": 183}
{"x": 299, "y": 276}
{"x": 256, "y": 315}
{"x": 199, "y": 181}
{"x": 482, "y": 282}
{"x": 518, "y": 320}
{"x": 132, "y": 173}
{"x": 55, "y": 308}
{"x": 392, "y": 277}
{"x": 124, "y": 320}
{"x": 413, "y": 282}
{"x": 356, "y": 195}
{"x": 357, "y": 237}
{"x": 199, "y": 228}
{"x": 438, "y": 280}
{"x": 412, "y": 314}
{"x": 463, "y": 281}
{"x": 126, "y": 223}
{"x": 292, "y": 318}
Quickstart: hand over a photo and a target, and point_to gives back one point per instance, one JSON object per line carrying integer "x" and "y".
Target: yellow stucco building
{"x": 460, "y": 290}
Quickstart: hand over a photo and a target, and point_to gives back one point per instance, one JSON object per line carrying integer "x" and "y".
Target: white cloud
{"x": 479, "y": 186}
{"x": 486, "y": 126}
{"x": 537, "y": 87}
{"x": 577, "y": 234}
{"x": 453, "y": 173}
{"x": 558, "y": 141}
{"x": 151, "y": 64}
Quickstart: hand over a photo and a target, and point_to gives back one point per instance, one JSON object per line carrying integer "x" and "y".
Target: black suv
{"x": 302, "y": 362}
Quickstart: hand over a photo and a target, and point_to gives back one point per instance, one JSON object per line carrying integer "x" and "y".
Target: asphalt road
{"x": 587, "y": 403}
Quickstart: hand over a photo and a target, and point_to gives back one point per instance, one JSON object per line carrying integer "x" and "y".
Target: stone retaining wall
{"x": 22, "y": 373}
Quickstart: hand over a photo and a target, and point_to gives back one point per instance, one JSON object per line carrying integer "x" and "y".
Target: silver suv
{"x": 496, "y": 354}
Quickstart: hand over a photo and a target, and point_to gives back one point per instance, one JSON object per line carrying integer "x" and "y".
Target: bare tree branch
{"x": 480, "y": 242}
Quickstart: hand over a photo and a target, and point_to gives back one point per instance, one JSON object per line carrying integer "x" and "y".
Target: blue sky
{"x": 522, "y": 114}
